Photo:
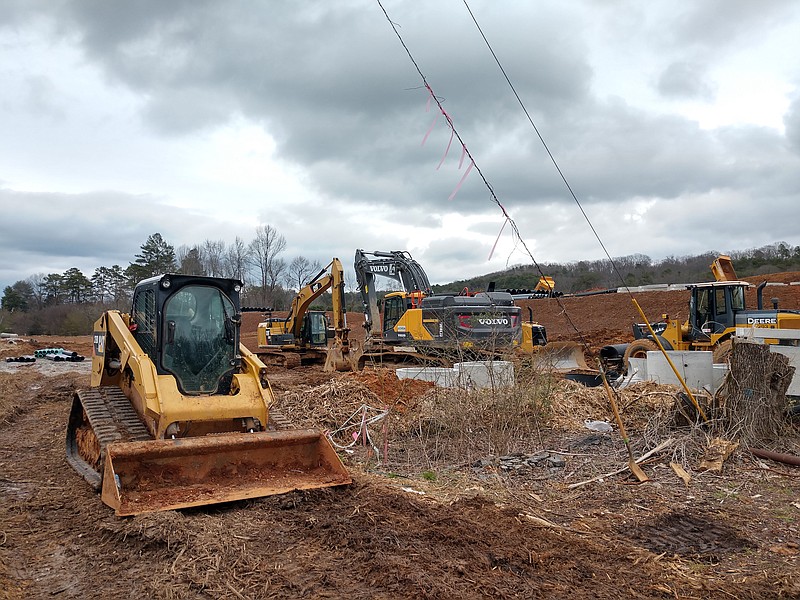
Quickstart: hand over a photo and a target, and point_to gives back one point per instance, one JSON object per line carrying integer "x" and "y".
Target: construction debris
{"x": 718, "y": 452}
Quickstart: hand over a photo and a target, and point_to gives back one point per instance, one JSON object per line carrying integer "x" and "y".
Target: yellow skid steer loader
{"x": 178, "y": 412}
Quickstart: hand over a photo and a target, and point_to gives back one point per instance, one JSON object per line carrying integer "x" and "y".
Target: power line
{"x": 474, "y": 163}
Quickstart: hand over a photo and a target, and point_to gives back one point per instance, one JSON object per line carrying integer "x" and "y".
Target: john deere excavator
{"x": 179, "y": 413}
{"x": 418, "y": 326}
{"x": 303, "y": 336}
{"x": 716, "y": 309}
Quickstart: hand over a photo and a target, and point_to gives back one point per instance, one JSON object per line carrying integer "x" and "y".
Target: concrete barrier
{"x": 467, "y": 375}
{"x": 485, "y": 374}
{"x": 438, "y": 375}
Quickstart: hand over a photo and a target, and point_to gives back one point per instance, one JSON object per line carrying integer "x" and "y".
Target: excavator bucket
{"x": 339, "y": 359}
{"x": 155, "y": 475}
{"x": 559, "y": 356}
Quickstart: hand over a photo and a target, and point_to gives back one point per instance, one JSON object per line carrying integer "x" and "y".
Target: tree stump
{"x": 754, "y": 396}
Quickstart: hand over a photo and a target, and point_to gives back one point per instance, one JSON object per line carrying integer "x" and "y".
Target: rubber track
{"x": 278, "y": 421}
{"x": 112, "y": 417}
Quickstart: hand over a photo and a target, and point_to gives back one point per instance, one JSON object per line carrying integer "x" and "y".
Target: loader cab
{"x": 713, "y": 307}
{"x": 189, "y": 327}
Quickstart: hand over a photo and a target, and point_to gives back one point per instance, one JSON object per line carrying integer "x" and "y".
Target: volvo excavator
{"x": 303, "y": 336}
{"x": 425, "y": 328}
{"x": 179, "y": 413}
{"x": 419, "y": 326}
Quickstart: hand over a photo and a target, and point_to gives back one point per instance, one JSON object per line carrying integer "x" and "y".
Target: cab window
{"x": 199, "y": 338}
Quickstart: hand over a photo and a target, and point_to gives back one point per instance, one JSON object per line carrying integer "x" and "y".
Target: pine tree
{"x": 156, "y": 258}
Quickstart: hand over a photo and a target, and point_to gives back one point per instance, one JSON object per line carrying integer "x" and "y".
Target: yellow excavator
{"x": 303, "y": 336}
{"x": 179, "y": 413}
{"x": 418, "y": 326}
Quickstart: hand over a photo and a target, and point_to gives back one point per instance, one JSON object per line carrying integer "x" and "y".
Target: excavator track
{"x": 108, "y": 414}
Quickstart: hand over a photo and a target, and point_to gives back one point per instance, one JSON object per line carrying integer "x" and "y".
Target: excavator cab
{"x": 315, "y": 330}
{"x": 395, "y": 305}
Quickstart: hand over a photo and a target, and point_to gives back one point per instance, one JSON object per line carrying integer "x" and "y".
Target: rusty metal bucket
{"x": 158, "y": 475}
{"x": 340, "y": 358}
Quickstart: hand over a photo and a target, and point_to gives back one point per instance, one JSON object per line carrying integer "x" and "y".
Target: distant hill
{"x": 635, "y": 270}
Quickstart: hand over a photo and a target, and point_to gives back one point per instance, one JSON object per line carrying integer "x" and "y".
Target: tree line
{"x": 636, "y": 269}
{"x": 68, "y": 303}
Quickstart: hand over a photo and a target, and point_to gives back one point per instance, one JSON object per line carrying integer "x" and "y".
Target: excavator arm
{"x": 320, "y": 284}
{"x": 397, "y": 265}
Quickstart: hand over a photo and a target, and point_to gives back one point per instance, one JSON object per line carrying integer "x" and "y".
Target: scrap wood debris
{"x": 719, "y": 450}
{"x": 329, "y": 405}
{"x": 574, "y": 404}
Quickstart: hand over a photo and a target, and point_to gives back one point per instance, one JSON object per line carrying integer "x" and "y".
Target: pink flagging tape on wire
{"x": 446, "y": 150}
{"x": 498, "y": 239}
{"x": 427, "y": 133}
{"x": 460, "y": 183}
{"x": 463, "y": 154}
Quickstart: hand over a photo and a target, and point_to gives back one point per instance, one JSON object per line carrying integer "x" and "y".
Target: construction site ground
{"x": 488, "y": 494}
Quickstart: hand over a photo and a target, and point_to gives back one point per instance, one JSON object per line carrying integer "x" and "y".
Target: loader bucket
{"x": 559, "y": 356}
{"x": 158, "y": 475}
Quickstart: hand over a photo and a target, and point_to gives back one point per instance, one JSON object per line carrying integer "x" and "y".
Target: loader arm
{"x": 114, "y": 328}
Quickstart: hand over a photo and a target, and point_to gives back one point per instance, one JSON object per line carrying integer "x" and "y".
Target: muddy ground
{"x": 476, "y": 495}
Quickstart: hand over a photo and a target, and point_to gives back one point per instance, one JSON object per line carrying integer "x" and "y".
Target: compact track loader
{"x": 178, "y": 412}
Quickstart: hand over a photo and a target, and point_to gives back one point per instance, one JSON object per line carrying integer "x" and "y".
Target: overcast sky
{"x": 676, "y": 124}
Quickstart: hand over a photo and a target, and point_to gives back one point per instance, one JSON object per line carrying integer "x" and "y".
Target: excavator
{"x": 716, "y": 309}
{"x": 419, "y": 326}
{"x": 179, "y": 413}
{"x": 302, "y": 337}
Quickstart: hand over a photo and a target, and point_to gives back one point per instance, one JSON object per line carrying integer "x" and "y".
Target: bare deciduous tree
{"x": 300, "y": 270}
{"x": 236, "y": 260}
{"x": 213, "y": 255}
{"x": 265, "y": 252}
